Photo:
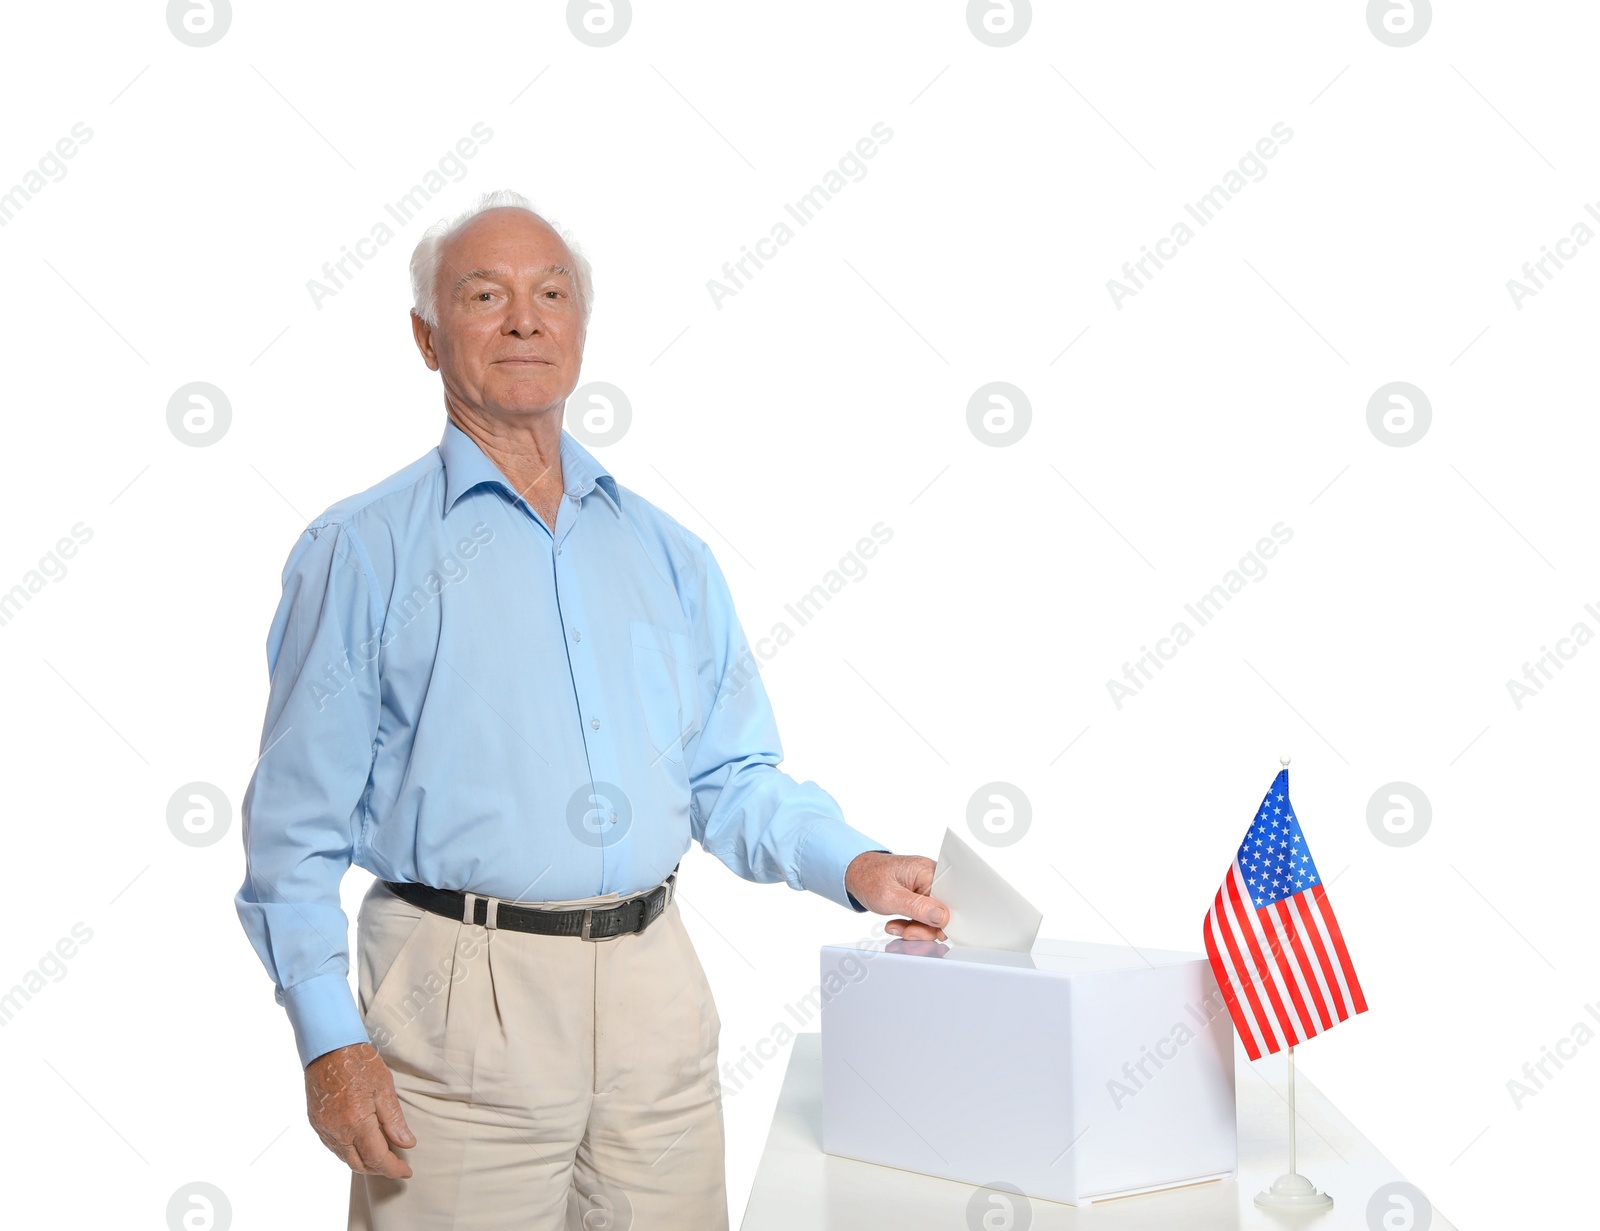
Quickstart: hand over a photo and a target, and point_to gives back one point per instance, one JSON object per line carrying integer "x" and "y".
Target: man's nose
{"x": 523, "y": 318}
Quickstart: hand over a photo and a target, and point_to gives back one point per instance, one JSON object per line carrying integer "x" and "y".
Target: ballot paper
{"x": 984, "y": 909}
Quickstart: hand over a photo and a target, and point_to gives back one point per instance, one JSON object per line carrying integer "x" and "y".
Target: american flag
{"x": 1272, "y": 938}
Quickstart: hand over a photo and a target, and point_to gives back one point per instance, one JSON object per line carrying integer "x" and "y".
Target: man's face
{"x": 509, "y": 341}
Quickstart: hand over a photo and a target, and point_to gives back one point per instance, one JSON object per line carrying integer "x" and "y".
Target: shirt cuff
{"x": 826, "y": 854}
{"x": 324, "y": 1016}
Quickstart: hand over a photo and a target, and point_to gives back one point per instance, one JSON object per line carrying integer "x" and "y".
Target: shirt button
{"x": 595, "y": 723}
{"x": 558, "y": 551}
{"x": 576, "y": 635}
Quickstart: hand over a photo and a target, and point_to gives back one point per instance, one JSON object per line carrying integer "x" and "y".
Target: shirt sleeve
{"x": 746, "y": 811}
{"x": 301, "y": 812}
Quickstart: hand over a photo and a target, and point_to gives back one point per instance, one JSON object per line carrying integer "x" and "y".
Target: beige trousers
{"x": 553, "y": 1083}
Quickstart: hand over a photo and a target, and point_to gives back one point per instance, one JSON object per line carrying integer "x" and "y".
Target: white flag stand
{"x": 1292, "y": 1191}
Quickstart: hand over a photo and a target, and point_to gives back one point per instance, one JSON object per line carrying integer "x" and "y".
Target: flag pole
{"x": 1292, "y": 1191}
{"x": 1291, "y": 1109}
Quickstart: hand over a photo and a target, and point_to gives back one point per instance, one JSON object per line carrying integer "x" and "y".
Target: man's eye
{"x": 483, "y": 294}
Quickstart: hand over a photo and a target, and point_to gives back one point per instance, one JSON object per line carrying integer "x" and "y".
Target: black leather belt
{"x": 589, "y": 923}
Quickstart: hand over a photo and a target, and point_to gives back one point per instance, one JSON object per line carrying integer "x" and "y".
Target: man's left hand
{"x": 898, "y": 885}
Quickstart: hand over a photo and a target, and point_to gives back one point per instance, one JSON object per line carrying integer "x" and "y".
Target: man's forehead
{"x": 505, "y": 227}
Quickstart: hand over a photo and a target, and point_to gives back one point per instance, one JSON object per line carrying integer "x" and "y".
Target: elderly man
{"x": 511, "y": 689}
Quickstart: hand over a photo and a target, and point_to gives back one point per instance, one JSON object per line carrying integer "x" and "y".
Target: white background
{"x": 1228, "y": 395}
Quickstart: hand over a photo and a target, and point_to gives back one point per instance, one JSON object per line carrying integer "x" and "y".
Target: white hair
{"x": 425, "y": 257}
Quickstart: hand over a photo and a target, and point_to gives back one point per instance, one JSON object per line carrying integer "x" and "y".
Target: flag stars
{"x": 1273, "y": 858}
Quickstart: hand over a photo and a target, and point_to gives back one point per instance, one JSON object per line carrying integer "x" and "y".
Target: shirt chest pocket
{"x": 663, "y": 677}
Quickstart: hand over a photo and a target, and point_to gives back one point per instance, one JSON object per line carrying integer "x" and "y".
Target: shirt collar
{"x": 467, "y": 466}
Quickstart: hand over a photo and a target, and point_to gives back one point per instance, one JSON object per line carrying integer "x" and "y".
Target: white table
{"x": 799, "y": 1188}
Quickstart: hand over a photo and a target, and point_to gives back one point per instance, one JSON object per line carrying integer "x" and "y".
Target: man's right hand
{"x": 351, "y": 1102}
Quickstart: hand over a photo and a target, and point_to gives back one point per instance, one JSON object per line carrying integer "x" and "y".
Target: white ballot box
{"x": 1072, "y": 1073}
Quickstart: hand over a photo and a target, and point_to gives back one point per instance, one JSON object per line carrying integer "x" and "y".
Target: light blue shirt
{"x": 463, "y": 697}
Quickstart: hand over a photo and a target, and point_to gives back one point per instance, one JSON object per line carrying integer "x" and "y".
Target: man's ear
{"x": 423, "y": 333}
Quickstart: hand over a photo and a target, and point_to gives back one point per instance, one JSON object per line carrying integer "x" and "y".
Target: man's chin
{"x": 523, "y": 397}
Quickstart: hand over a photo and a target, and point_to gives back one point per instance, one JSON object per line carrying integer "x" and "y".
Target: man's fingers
{"x": 376, "y": 1157}
{"x": 908, "y": 929}
{"x": 392, "y": 1119}
{"x": 345, "y": 1152}
{"x": 919, "y": 902}
{"x": 922, "y": 908}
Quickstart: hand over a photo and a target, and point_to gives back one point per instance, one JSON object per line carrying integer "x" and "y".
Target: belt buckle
{"x": 644, "y": 915}
{"x": 588, "y": 919}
